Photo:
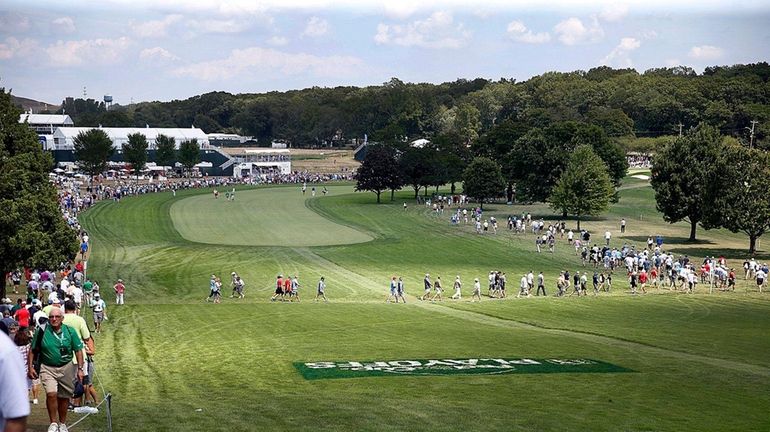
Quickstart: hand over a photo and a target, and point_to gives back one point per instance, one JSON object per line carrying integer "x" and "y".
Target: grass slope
{"x": 697, "y": 359}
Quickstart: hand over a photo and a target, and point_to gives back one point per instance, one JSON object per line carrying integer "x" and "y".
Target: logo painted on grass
{"x": 467, "y": 366}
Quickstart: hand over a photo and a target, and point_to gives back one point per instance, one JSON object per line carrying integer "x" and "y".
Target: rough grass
{"x": 697, "y": 359}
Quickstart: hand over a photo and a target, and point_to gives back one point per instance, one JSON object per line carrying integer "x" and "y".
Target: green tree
{"x": 416, "y": 168}
{"x": 378, "y": 171}
{"x": 739, "y": 194}
{"x": 585, "y": 187}
{"x": 482, "y": 179}
{"x": 189, "y": 154}
{"x": 34, "y": 231}
{"x": 165, "y": 150}
{"x": 135, "y": 152}
{"x": 93, "y": 148}
{"x": 681, "y": 173}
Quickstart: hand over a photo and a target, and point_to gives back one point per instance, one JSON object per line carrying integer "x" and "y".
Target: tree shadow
{"x": 717, "y": 252}
{"x": 668, "y": 240}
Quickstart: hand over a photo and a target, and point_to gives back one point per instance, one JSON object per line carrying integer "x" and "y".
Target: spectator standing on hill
{"x": 58, "y": 344}
{"x": 623, "y": 225}
{"x": 120, "y": 291}
{"x": 321, "y": 292}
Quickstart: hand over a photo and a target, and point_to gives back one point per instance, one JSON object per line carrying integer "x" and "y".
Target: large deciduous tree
{"x": 189, "y": 154}
{"x": 739, "y": 193}
{"x": 135, "y": 152}
{"x": 482, "y": 179}
{"x": 681, "y": 172}
{"x": 165, "y": 150}
{"x": 93, "y": 148}
{"x": 378, "y": 171}
{"x": 416, "y": 166}
{"x": 34, "y": 232}
{"x": 585, "y": 187}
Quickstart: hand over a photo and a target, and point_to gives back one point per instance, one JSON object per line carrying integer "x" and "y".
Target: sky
{"x": 148, "y": 50}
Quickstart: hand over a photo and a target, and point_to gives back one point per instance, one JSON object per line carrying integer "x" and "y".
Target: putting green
{"x": 261, "y": 217}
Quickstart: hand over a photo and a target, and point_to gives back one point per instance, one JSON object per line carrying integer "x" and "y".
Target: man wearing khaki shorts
{"x": 55, "y": 346}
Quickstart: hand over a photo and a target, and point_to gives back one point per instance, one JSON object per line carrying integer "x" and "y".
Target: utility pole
{"x": 680, "y": 129}
{"x": 751, "y": 142}
{"x": 85, "y": 94}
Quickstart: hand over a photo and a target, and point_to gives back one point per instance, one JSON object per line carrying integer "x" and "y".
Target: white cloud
{"x": 614, "y": 12}
{"x": 572, "y": 31}
{"x": 706, "y": 52}
{"x": 64, "y": 25}
{"x": 399, "y": 10}
{"x": 520, "y": 33}
{"x": 278, "y": 41}
{"x": 620, "y": 55}
{"x": 156, "y": 28}
{"x": 270, "y": 62}
{"x": 316, "y": 27}
{"x": 157, "y": 54}
{"x": 219, "y": 26}
{"x": 15, "y": 48}
{"x": 673, "y": 62}
{"x": 93, "y": 51}
{"x": 437, "y": 31}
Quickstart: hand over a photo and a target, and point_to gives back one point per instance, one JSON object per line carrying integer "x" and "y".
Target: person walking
{"x": 321, "y": 290}
{"x": 476, "y": 290}
{"x": 540, "y": 284}
{"x": 393, "y": 290}
{"x": 427, "y": 287}
{"x": 100, "y": 308}
{"x": 437, "y": 288}
{"x": 458, "y": 289}
{"x": 400, "y": 290}
{"x": 55, "y": 346}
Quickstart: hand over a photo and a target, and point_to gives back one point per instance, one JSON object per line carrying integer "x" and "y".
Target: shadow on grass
{"x": 717, "y": 252}
{"x": 668, "y": 240}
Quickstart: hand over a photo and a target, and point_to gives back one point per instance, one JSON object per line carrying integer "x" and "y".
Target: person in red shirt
{"x": 22, "y": 316}
{"x": 79, "y": 266}
{"x": 286, "y": 288}
{"x": 654, "y": 276}
{"x": 120, "y": 289}
{"x": 278, "y": 288}
{"x": 643, "y": 281}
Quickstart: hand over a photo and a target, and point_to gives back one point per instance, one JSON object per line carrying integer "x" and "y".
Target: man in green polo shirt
{"x": 88, "y": 288}
{"x": 58, "y": 343}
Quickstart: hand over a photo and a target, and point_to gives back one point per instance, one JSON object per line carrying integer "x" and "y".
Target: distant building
{"x": 230, "y": 140}
{"x": 44, "y": 126}
{"x": 252, "y": 162}
{"x": 64, "y": 137}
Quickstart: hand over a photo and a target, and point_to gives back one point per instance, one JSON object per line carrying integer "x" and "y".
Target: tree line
{"x": 623, "y": 102}
{"x": 93, "y": 149}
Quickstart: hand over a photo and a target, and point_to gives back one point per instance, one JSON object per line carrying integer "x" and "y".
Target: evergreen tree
{"x": 378, "y": 171}
{"x": 34, "y": 231}
{"x": 135, "y": 152}
{"x": 482, "y": 179}
{"x": 585, "y": 186}
{"x": 681, "y": 173}
{"x": 189, "y": 154}
{"x": 93, "y": 148}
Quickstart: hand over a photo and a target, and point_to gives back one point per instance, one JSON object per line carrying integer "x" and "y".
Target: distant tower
{"x": 108, "y": 101}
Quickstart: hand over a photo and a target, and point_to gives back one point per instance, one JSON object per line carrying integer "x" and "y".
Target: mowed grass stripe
{"x": 260, "y": 217}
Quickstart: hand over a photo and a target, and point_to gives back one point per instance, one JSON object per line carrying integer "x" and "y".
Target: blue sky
{"x": 143, "y": 50}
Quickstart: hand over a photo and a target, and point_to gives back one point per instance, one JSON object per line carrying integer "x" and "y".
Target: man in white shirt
{"x": 14, "y": 406}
